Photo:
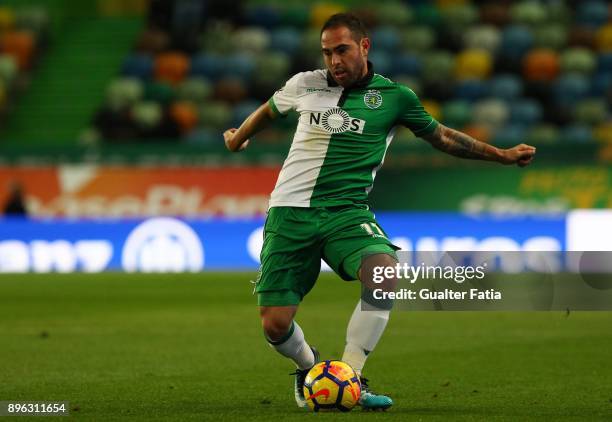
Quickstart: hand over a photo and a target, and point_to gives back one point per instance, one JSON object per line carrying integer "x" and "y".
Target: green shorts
{"x": 296, "y": 239}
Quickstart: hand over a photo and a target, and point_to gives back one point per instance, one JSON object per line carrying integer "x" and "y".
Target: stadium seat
{"x": 251, "y": 39}
{"x": 506, "y": 86}
{"x": 473, "y": 64}
{"x": 159, "y": 92}
{"x": 19, "y": 44}
{"x": 185, "y": 115}
{"x": 509, "y": 135}
{"x": 438, "y": 65}
{"x": 406, "y": 64}
{"x": 483, "y": 37}
{"x": 577, "y": 133}
{"x": 433, "y": 108}
{"x": 295, "y": 15}
{"x": 215, "y": 114}
{"x": 210, "y": 66}
{"x": 581, "y": 37}
{"x": 385, "y": 38}
{"x": 542, "y": 134}
{"x": 138, "y": 66}
{"x": 286, "y": 40}
{"x": 457, "y": 113}
{"x": 459, "y": 16}
{"x": 394, "y": 13}
{"x": 497, "y": 14}
{"x": 592, "y": 13}
{"x": 570, "y": 88}
{"x": 541, "y": 65}
{"x": 171, "y": 67}
{"x": 239, "y": 65}
{"x": 7, "y": 19}
{"x": 418, "y": 39}
{"x": 323, "y": 10}
{"x": 529, "y": 13}
{"x": 263, "y": 15}
{"x": 383, "y": 64}
{"x": 123, "y": 92}
{"x": 479, "y": 132}
{"x": 591, "y": 111}
{"x": 603, "y": 133}
{"x": 272, "y": 68}
{"x": 516, "y": 41}
{"x": 525, "y": 112}
{"x": 152, "y": 41}
{"x": 604, "y": 38}
{"x": 230, "y": 90}
{"x": 194, "y": 89}
{"x": 147, "y": 114}
{"x": 490, "y": 112}
{"x": 242, "y": 110}
{"x": 578, "y": 60}
{"x": 33, "y": 18}
{"x": 8, "y": 69}
{"x": 550, "y": 36}
{"x": 471, "y": 90}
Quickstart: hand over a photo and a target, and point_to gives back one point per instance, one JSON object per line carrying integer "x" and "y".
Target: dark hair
{"x": 348, "y": 20}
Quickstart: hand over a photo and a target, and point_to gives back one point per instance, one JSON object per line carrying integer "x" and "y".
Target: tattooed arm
{"x": 459, "y": 144}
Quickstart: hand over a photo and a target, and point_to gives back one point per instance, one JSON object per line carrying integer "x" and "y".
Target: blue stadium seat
{"x": 286, "y": 39}
{"x": 570, "y": 88}
{"x": 263, "y": 15}
{"x": 578, "y": 133}
{"x": 383, "y": 64}
{"x": 385, "y": 38}
{"x": 516, "y": 41}
{"x": 138, "y": 66}
{"x": 239, "y": 65}
{"x": 406, "y": 64}
{"x": 506, "y": 86}
{"x": 211, "y": 66}
{"x": 509, "y": 135}
{"x": 592, "y": 13}
{"x": 525, "y": 112}
{"x": 242, "y": 110}
{"x": 471, "y": 90}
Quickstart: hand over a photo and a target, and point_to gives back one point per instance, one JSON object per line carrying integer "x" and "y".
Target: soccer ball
{"x": 332, "y": 385}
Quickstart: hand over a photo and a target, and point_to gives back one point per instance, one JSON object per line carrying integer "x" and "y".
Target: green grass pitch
{"x": 189, "y": 347}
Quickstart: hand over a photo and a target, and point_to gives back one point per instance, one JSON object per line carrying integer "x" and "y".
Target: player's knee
{"x": 275, "y": 324}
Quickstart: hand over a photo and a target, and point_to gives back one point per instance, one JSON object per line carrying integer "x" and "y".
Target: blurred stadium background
{"x": 115, "y": 109}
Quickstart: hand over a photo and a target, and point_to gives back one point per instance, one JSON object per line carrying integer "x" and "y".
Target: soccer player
{"x": 318, "y": 209}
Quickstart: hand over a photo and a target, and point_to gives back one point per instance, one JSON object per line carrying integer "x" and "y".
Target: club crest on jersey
{"x": 336, "y": 120}
{"x": 372, "y": 98}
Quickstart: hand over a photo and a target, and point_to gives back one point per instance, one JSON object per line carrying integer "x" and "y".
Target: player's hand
{"x": 228, "y": 137}
{"x": 521, "y": 155}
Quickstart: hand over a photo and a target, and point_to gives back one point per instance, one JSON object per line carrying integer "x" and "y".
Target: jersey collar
{"x": 361, "y": 83}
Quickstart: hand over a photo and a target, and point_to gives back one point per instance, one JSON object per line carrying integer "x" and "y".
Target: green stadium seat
{"x": 8, "y": 69}
{"x": 591, "y": 111}
{"x": 394, "y": 13}
{"x": 418, "y": 39}
{"x": 124, "y": 92}
{"x": 194, "y": 89}
{"x": 147, "y": 114}
{"x": 529, "y": 13}
{"x": 483, "y": 37}
{"x": 551, "y": 36}
{"x": 543, "y": 134}
{"x": 492, "y": 112}
{"x": 215, "y": 114}
{"x": 457, "y": 113}
{"x": 159, "y": 92}
{"x": 578, "y": 60}
{"x": 438, "y": 65}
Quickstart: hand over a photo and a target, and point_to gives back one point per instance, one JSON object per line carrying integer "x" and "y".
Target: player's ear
{"x": 364, "y": 46}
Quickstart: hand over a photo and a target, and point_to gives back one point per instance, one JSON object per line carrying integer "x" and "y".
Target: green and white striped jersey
{"x": 341, "y": 137}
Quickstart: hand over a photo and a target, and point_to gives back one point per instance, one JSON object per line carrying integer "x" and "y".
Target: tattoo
{"x": 459, "y": 144}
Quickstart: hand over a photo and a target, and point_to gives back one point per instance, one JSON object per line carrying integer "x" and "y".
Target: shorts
{"x": 296, "y": 239}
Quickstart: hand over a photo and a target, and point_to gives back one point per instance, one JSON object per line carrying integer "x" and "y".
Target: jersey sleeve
{"x": 413, "y": 115}
{"x": 285, "y": 99}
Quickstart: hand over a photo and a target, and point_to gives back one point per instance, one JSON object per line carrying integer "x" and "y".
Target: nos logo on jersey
{"x": 336, "y": 120}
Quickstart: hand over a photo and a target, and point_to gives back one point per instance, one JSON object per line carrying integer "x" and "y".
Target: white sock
{"x": 363, "y": 332}
{"x": 294, "y": 346}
